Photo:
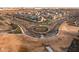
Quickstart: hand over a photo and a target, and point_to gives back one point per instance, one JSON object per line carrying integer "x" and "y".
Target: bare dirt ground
{"x": 17, "y": 35}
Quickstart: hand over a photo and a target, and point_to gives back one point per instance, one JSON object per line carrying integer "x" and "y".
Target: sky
{"x": 39, "y": 3}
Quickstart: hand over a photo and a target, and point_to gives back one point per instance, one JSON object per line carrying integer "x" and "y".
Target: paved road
{"x": 24, "y": 24}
